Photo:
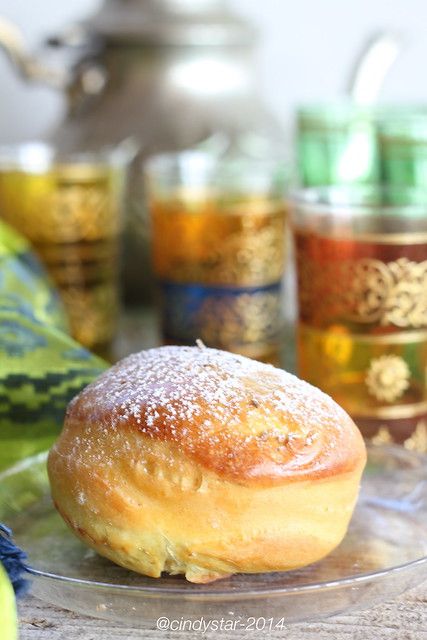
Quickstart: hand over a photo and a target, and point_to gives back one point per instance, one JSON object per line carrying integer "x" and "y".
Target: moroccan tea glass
{"x": 403, "y": 146}
{"x": 337, "y": 144}
{"x": 69, "y": 207}
{"x": 219, "y": 250}
{"x": 362, "y": 293}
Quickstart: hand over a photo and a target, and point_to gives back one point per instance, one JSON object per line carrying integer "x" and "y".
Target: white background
{"x": 306, "y": 53}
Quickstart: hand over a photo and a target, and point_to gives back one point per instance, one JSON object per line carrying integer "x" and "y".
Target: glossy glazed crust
{"x": 155, "y": 510}
{"x": 271, "y": 428}
{"x": 206, "y": 465}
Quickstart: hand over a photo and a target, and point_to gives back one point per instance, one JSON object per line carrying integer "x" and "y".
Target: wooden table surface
{"x": 402, "y": 619}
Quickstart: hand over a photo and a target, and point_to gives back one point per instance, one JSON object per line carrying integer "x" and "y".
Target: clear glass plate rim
{"x": 173, "y": 592}
{"x": 241, "y": 593}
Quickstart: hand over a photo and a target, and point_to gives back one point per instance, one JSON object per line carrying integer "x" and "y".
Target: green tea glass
{"x": 337, "y": 144}
{"x": 403, "y": 146}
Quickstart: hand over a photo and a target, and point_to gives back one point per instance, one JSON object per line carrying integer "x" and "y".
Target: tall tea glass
{"x": 219, "y": 250}
{"x": 70, "y": 208}
{"x": 362, "y": 290}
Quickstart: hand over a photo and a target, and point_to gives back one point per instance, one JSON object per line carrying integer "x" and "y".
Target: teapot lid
{"x": 170, "y": 22}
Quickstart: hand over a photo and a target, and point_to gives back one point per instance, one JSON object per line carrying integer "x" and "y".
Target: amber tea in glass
{"x": 362, "y": 290}
{"x": 218, "y": 252}
{"x": 70, "y": 210}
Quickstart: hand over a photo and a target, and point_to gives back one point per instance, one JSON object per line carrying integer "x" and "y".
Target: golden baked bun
{"x": 201, "y": 462}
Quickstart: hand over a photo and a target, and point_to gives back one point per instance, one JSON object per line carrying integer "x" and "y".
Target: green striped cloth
{"x": 41, "y": 366}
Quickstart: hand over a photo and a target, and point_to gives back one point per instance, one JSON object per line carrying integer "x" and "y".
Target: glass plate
{"x": 383, "y": 554}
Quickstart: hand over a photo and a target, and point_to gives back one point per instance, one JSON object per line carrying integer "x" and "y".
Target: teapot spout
{"x": 29, "y": 67}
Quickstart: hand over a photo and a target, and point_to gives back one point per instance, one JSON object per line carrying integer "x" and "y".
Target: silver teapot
{"x": 169, "y": 73}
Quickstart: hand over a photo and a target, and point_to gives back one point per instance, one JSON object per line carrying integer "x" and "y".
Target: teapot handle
{"x": 373, "y": 65}
{"x": 30, "y": 67}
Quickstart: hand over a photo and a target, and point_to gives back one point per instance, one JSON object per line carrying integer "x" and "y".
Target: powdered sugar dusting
{"x": 211, "y": 387}
{"x": 237, "y": 417}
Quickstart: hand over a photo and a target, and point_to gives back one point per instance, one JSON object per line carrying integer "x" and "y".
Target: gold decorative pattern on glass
{"x": 219, "y": 243}
{"x": 416, "y": 442}
{"x": 383, "y": 436}
{"x": 72, "y": 215}
{"x": 366, "y": 291}
{"x": 61, "y": 205}
{"x": 243, "y": 319}
{"x": 387, "y": 378}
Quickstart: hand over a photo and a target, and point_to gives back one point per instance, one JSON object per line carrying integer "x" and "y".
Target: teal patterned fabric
{"x": 41, "y": 366}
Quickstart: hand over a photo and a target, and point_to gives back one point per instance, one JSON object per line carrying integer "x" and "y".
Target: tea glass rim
{"x": 40, "y": 156}
{"x": 159, "y": 164}
{"x": 342, "y": 111}
{"x": 193, "y": 173}
{"x": 362, "y": 212}
{"x": 346, "y": 201}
